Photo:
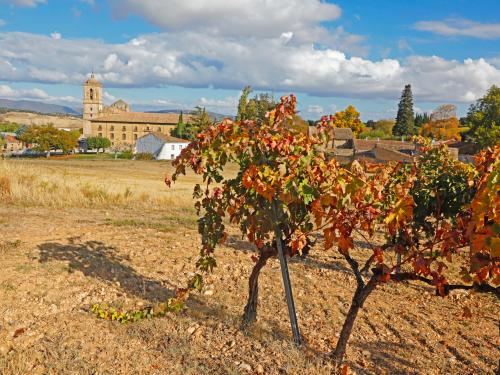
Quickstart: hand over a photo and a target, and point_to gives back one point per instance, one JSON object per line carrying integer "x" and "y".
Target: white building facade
{"x": 161, "y": 146}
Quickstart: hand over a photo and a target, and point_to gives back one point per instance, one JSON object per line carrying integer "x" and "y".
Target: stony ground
{"x": 56, "y": 263}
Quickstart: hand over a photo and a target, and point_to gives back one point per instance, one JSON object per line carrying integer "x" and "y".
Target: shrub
{"x": 144, "y": 156}
{"x": 128, "y": 154}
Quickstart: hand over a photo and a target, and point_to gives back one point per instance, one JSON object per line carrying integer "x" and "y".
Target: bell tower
{"x": 92, "y": 98}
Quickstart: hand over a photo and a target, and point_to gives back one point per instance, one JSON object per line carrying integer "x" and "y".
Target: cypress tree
{"x": 405, "y": 119}
{"x": 242, "y": 104}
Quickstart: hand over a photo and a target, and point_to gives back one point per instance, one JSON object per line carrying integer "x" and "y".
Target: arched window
{"x": 159, "y": 129}
{"x": 91, "y": 94}
{"x": 100, "y": 127}
{"x": 124, "y": 128}
{"x": 112, "y": 128}
{"x": 135, "y": 128}
{"x": 147, "y": 128}
{"x": 112, "y": 135}
{"x": 124, "y": 136}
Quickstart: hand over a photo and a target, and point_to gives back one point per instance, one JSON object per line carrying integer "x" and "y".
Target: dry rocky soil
{"x": 56, "y": 263}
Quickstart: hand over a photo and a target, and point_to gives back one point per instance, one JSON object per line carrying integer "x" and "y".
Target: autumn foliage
{"x": 433, "y": 212}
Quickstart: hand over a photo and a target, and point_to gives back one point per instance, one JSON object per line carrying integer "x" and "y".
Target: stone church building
{"x": 117, "y": 122}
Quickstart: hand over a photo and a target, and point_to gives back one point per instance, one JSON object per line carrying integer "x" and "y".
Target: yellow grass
{"x": 92, "y": 184}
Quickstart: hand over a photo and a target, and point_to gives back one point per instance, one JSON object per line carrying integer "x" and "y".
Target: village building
{"x": 118, "y": 122}
{"x": 161, "y": 146}
{"x": 12, "y": 144}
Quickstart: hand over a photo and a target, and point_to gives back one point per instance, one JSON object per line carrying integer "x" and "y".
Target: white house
{"x": 161, "y": 146}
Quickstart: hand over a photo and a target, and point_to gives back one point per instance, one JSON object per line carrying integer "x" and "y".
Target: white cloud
{"x": 26, "y": 3}
{"x": 317, "y": 109}
{"x": 55, "y": 35}
{"x": 108, "y": 98}
{"x": 228, "y": 104}
{"x": 256, "y": 18}
{"x": 461, "y": 27}
{"x": 7, "y": 92}
{"x": 279, "y": 63}
{"x": 403, "y": 45}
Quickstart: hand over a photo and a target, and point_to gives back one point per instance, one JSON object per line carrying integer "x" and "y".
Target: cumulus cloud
{"x": 190, "y": 59}
{"x": 55, "y": 35}
{"x": 25, "y": 3}
{"x": 461, "y": 27}
{"x": 256, "y": 18}
{"x": 227, "y": 104}
{"x": 317, "y": 109}
{"x": 7, "y": 92}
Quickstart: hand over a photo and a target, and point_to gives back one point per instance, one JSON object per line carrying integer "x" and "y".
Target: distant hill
{"x": 38, "y": 107}
{"x": 214, "y": 115}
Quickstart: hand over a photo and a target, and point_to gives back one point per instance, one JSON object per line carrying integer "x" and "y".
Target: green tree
{"x": 405, "y": 119}
{"x": 9, "y": 127}
{"x": 385, "y": 126}
{"x": 483, "y": 118}
{"x": 98, "y": 143}
{"x": 242, "y": 104}
{"x": 180, "y": 129}
{"x": 67, "y": 140}
{"x": 421, "y": 119}
{"x": 46, "y": 138}
{"x": 254, "y": 108}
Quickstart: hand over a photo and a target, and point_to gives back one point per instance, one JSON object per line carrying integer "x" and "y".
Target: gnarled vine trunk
{"x": 250, "y": 311}
{"x": 358, "y": 299}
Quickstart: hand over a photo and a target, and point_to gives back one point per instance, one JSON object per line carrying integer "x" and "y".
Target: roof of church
{"x": 141, "y": 118}
{"x": 119, "y": 102}
{"x": 93, "y": 81}
{"x": 166, "y": 138}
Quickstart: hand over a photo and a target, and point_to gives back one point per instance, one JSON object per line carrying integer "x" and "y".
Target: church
{"x": 118, "y": 122}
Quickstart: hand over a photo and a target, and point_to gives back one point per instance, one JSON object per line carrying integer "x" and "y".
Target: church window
{"x": 135, "y": 128}
{"x": 124, "y": 136}
{"x": 112, "y": 128}
{"x": 100, "y": 127}
{"x": 135, "y": 136}
{"x": 112, "y": 135}
{"x": 147, "y": 128}
{"x": 173, "y": 147}
{"x": 124, "y": 128}
{"x": 91, "y": 94}
{"x": 180, "y": 147}
{"x": 172, "y": 156}
{"x": 159, "y": 129}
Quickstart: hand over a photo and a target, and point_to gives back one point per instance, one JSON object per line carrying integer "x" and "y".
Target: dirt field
{"x": 75, "y": 233}
{"x": 28, "y": 118}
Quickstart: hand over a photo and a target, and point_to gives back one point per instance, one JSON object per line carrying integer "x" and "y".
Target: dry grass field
{"x": 78, "y": 232}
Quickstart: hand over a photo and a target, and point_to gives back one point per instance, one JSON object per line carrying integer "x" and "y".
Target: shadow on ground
{"x": 382, "y": 353}
{"x": 98, "y": 260}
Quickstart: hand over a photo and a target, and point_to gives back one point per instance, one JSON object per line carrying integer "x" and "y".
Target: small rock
{"x": 209, "y": 292}
{"x": 4, "y": 349}
{"x": 191, "y": 329}
{"x": 245, "y": 366}
{"x": 366, "y": 353}
{"x": 259, "y": 369}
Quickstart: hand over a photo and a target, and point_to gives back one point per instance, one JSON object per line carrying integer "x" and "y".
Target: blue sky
{"x": 170, "y": 54}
